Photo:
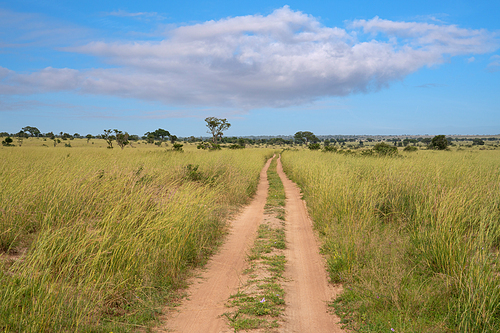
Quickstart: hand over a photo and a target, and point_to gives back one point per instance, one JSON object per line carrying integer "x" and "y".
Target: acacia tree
{"x": 305, "y": 137}
{"x": 161, "y": 133}
{"x": 216, "y": 127}
{"x": 33, "y": 131}
{"x": 121, "y": 138}
{"x": 109, "y": 137}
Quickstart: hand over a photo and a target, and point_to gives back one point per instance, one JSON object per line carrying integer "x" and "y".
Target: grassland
{"x": 414, "y": 239}
{"x": 97, "y": 240}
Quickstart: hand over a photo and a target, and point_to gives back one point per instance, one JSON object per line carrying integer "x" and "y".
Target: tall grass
{"x": 414, "y": 239}
{"x": 109, "y": 233}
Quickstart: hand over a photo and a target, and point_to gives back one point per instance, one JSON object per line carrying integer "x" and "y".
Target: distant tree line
{"x": 217, "y": 127}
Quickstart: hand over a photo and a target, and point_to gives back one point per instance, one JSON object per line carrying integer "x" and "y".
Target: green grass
{"x": 414, "y": 240}
{"x": 109, "y": 235}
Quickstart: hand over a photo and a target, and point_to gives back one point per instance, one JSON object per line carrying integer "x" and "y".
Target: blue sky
{"x": 269, "y": 67}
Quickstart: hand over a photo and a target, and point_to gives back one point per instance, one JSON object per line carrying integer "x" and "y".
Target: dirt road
{"x": 307, "y": 289}
{"x": 201, "y": 312}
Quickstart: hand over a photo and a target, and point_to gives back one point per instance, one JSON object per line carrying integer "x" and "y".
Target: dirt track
{"x": 306, "y": 292}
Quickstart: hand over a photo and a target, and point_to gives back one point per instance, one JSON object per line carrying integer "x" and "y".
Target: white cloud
{"x": 137, "y": 15}
{"x": 282, "y": 59}
{"x": 471, "y": 59}
{"x": 494, "y": 65}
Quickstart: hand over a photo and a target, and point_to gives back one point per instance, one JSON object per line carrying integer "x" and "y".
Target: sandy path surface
{"x": 201, "y": 312}
{"x": 308, "y": 290}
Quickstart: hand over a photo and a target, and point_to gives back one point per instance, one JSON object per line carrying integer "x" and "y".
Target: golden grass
{"x": 109, "y": 233}
{"x": 414, "y": 239}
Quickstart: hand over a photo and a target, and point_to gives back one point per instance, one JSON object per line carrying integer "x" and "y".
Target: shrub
{"x": 439, "y": 142}
{"x": 314, "y": 146}
{"x": 329, "y": 148}
{"x": 410, "y": 148}
{"x": 384, "y": 149}
{"x": 177, "y": 147}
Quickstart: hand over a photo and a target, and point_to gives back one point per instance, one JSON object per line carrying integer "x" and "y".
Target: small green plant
{"x": 192, "y": 173}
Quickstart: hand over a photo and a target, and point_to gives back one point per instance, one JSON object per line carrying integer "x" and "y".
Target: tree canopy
{"x": 439, "y": 142}
{"x": 216, "y": 127}
{"x": 305, "y": 137}
{"x": 33, "y": 131}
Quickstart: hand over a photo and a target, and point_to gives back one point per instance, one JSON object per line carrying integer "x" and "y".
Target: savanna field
{"x": 99, "y": 240}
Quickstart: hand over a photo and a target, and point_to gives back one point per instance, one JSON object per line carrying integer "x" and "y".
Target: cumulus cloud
{"x": 284, "y": 58}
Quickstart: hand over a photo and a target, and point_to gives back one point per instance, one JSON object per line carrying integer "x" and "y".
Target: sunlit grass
{"x": 414, "y": 239}
{"x": 108, "y": 234}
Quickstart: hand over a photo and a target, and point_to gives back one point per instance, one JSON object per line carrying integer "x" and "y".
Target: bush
{"x": 314, "y": 146}
{"x": 177, "y": 147}
{"x": 439, "y": 142}
{"x": 383, "y": 149}
{"x": 410, "y": 148}
{"x": 477, "y": 142}
{"x": 329, "y": 148}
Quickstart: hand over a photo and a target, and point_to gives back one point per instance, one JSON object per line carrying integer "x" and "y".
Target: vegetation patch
{"x": 100, "y": 239}
{"x": 413, "y": 240}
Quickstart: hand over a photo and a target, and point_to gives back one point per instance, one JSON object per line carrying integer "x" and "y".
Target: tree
{"x": 51, "y": 136}
{"x": 426, "y": 140}
{"x": 89, "y": 136}
{"x": 109, "y": 137}
{"x": 173, "y": 138}
{"x": 7, "y": 142}
{"x": 477, "y": 142}
{"x": 33, "y": 131}
{"x": 216, "y": 127}
{"x": 439, "y": 142}
{"x": 306, "y": 137}
{"x": 121, "y": 138}
{"x": 161, "y": 133}
{"x": 150, "y": 137}
{"x": 66, "y": 136}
